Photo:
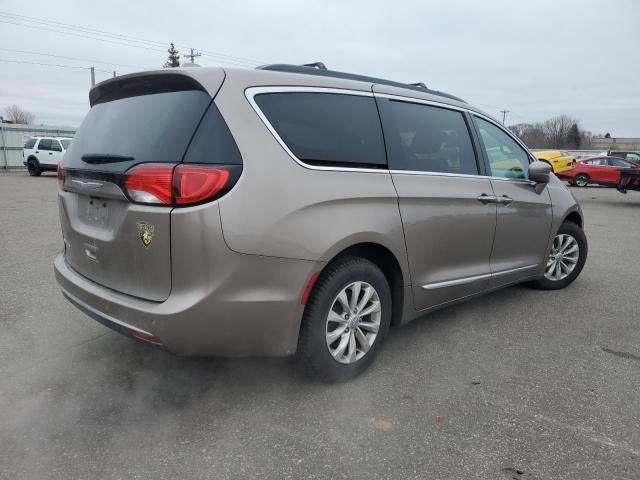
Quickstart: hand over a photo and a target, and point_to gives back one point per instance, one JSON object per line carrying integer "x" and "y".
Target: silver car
{"x": 297, "y": 210}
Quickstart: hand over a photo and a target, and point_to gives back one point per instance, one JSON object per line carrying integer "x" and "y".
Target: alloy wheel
{"x": 581, "y": 180}
{"x": 563, "y": 257}
{"x": 353, "y": 322}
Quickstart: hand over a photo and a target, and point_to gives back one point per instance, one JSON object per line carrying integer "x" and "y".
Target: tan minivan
{"x": 294, "y": 209}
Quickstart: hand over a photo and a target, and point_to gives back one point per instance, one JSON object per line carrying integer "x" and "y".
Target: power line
{"x": 118, "y": 39}
{"x": 81, "y": 36}
{"x": 68, "y": 26}
{"x": 52, "y": 65}
{"x": 71, "y": 58}
{"x": 118, "y": 36}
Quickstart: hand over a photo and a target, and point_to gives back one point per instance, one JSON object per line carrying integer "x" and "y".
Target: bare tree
{"x": 532, "y": 134}
{"x": 17, "y": 115}
{"x": 557, "y": 130}
{"x": 586, "y": 139}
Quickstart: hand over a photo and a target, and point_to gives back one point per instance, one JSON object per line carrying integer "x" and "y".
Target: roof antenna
{"x": 419, "y": 84}
{"x": 318, "y": 65}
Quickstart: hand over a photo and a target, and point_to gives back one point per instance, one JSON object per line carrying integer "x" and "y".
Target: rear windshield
{"x": 121, "y": 133}
{"x": 30, "y": 143}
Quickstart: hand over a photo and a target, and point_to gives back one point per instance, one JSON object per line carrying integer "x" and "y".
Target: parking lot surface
{"x": 517, "y": 384}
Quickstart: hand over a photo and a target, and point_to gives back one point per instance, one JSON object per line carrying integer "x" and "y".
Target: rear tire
{"x": 33, "y": 166}
{"x": 327, "y": 326}
{"x": 566, "y": 258}
{"x": 581, "y": 180}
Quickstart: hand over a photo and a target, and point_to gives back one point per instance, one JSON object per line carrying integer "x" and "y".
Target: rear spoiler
{"x": 136, "y": 84}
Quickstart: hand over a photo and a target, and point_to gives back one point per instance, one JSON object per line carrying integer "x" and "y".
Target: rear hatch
{"x": 144, "y": 122}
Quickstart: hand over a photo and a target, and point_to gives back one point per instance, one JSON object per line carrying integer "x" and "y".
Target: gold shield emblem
{"x": 145, "y": 233}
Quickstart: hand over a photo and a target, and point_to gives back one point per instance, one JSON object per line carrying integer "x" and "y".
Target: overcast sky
{"x": 536, "y": 58}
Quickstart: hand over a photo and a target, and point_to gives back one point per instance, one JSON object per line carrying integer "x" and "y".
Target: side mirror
{"x": 539, "y": 172}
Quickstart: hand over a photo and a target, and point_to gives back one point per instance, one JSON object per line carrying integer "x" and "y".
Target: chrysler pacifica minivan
{"x": 297, "y": 210}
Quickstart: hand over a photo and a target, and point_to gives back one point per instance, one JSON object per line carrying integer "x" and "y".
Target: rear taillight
{"x": 179, "y": 185}
{"x": 60, "y": 173}
{"x": 150, "y": 184}
{"x": 194, "y": 184}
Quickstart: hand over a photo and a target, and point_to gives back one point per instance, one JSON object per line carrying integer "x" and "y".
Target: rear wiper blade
{"x": 105, "y": 158}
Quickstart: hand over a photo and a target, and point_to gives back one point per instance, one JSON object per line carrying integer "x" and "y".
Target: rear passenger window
{"x": 55, "y": 146}
{"x": 327, "y": 129}
{"x": 45, "y": 144}
{"x": 30, "y": 143}
{"x": 619, "y": 163}
{"x": 427, "y": 139}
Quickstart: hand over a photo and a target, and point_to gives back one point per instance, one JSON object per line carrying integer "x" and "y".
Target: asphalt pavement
{"x": 519, "y": 384}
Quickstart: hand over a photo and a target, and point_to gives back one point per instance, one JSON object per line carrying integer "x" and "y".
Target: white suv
{"x": 42, "y": 154}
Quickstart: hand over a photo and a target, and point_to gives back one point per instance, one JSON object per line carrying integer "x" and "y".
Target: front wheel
{"x": 566, "y": 258}
{"x": 346, "y": 319}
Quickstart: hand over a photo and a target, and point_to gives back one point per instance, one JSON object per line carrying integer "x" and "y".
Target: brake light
{"x": 150, "y": 183}
{"x": 194, "y": 184}
{"x": 175, "y": 185}
{"x": 60, "y": 173}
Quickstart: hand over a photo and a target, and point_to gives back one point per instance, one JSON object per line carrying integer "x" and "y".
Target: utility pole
{"x": 93, "y": 77}
{"x": 504, "y": 115}
{"x": 192, "y": 55}
{"x": 114, "y": 74}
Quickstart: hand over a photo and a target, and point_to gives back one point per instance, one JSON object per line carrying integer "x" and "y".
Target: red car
{"x": 600, "y": 170}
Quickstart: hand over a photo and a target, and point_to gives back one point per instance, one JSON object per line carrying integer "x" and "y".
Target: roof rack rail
{"x": 318, "y": 65}
{"x": 319, "y": 69}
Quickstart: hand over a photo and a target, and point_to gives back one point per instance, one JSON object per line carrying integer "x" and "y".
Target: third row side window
{"x": 427, "y": 138}
{"x": 327, "y": 129}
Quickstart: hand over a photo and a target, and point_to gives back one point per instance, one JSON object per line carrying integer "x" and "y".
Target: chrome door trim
{"x": 250, "y": 94}
{"x": 521, "y": 181}
{"x": 513, "y": 270}
{"x": 455, "y": 282}
{"x": 438, "y": 174}
{"x": 401, "y": 98}
{"x": 454, "y": 107}
{"x": 474, "y": 278}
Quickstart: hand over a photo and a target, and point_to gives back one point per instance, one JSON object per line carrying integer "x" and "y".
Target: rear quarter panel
{"x": 280, "y": 208}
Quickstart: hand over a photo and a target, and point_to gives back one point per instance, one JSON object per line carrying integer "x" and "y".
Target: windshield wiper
{"x": 105, "y": 158}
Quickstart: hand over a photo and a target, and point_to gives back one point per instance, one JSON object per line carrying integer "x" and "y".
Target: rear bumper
{"x": 111, "y": 322}
{"x": 254, "y": 311}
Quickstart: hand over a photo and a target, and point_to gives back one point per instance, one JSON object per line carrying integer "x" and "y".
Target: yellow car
{"x": 560, "y": 160}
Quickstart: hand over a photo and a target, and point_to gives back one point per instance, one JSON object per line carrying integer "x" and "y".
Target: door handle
{"x": 50, "y": 153}
{"x": 484, "y": 198}
{"x": 504, "y": 200}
